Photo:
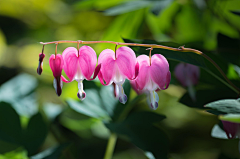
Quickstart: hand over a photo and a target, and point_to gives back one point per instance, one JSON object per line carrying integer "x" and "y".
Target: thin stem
{"x": 181, "y": 49}
{"x": 43, "y": 48}
{"x": 110, "y": 146}
{"x": 116, "y": 51}
{"x": 235, "y": 88}
{"x": 150, "y": 54}
{"x": 56, "y": 49}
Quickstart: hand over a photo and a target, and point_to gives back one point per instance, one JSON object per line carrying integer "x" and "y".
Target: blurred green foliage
{"x": 35, "y": 123}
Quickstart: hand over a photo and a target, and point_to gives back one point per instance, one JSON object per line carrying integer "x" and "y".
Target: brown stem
{"x": 181, "y": 49}
{"x": 150, "y": 54}
{"x": 116, "y": 51}
{"x": 43, "y": 48}
{"x": 56, "y": 49}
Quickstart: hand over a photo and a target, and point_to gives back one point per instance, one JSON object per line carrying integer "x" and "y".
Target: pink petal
{"x": 100, "y": 77}
{"x": 40, "y": 64}
{"x": 87, "y": 61}
{"x": 108, "y": 68}
{"x": 159, "y": 71}
{"x": 64, "y": 79}
{"x": 56, "y": 64}
{"x": 186, "y": 72}
{"x": 135, "y": 87}
{"x": 70, "y": 62}
{"x": 97, "y": 69}
{"x": 105, "y": 54}
{"x": 126, "y": 61}
{"x": 136, "y": 69}
{"x": 143, "y": 76}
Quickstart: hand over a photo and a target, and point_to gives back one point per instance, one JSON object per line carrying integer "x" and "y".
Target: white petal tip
{"x": 81, "y": 96}
{"x": 123, "y": 99}
{"x": 154, "y": 106}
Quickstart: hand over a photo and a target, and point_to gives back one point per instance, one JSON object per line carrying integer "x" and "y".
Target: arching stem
{"x": 181, "y": 49}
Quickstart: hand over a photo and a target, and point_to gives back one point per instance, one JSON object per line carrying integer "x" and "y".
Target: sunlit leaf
{"x": 225, "y": 105}
{"x": 102, "y": 103}
{"x": 15, "y": 154}
{"x": 127, "y": 7}
{"x": 235, "y": 118}
{"x": 90, "y": 106}
{"x": 158, "y": 6}
{"x": 19, "y": 92}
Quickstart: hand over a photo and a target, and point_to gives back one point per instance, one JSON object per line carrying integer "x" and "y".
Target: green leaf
{"x": 229, "y": 48}
{"x": 226, "y": 105}
{"x": 127, "y": 7}
{"x": 10, "y": 126}
{"x": 7, "y": 146}
{"x": 139, "y": 128}
{"x": 19, "y": 92}
{"x": 15, "y": 154}
{"x": 102, "y": 103}
{"x": 215, "y": 112}
{"x": 11, "y": 131}
{"x": 236, "y": 12}
{"x": 90, "y": 106}
{"x": 35, "y": 133}
{"x": 235, "y": 118}
{"x": 158, "y": 6}
{"x": 217, "y": 132}
{"x": 205, "y": 96}
{"x": 51, "y": 153}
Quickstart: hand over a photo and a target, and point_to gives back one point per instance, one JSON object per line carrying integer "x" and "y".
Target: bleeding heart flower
{"x": 187, "y": 74}
{"x": 56, "y": 65}
{"x": 40, "y": 65}
{"x": 117, "y": 68}
{"x": 152, "y": 76}
{"x": 80, "y": 65}
{"x": 232, "y": 129}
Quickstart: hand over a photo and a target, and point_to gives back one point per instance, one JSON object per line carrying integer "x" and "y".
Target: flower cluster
{"x": 146, "y": 74}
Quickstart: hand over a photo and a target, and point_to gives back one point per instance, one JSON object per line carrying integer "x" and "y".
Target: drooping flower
{"x": 56, "y": 65}
{"x": 40, "y": 64}
{"x": 79, "y": 65}
{"x": 117, "y": 68}
{"x": 152, "y": 76}
{"x": 188, "y": 76}
{"x": 232, "y": 129}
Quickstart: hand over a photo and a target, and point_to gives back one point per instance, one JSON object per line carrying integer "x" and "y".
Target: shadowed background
{"x": 34, "y": 119}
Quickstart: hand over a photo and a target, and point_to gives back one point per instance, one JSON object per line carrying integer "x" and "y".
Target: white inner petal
{"x": 55, "y": 83}
{"x": 118, "y": 78}
{"x": 79, "y": 76}
{"x": 152, "y": 100}
{"x": 81, "y": 92}
{"x": 120, "y": 94}
{"x": 150, "y": 85}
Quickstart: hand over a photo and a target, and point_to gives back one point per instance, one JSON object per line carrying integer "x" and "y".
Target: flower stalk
{"x": 110, "y": 146}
